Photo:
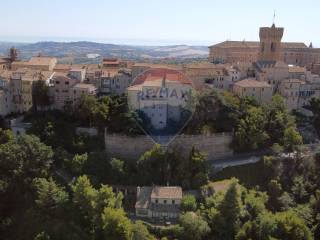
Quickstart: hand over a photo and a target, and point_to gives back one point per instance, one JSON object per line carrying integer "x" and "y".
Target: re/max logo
{"x": 164, "y": 93}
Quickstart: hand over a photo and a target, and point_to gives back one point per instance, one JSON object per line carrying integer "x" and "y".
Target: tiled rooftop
{"x": 251, "y": 82}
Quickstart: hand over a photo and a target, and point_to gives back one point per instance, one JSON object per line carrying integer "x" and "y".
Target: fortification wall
{"x": 131, "y": 148}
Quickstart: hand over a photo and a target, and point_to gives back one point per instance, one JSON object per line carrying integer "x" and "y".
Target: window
{"x": 156, "y": 200}
{"x": 173, "y": 201}
{"x": 165, "y": 201}
{"x": 66, "y": 83}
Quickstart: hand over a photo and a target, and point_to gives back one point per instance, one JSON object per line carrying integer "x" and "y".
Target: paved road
{"x": 248, "y": 158}
{"x": 235, "y": 161}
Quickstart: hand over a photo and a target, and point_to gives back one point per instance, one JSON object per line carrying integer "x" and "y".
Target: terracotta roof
{"x": 251, "y": 82}
{"x": 26, "y": 74}
{"x": 4, "y": 60}
{"x": 152, "y": 65}
{"x": 296, "y": 69}
{"x": 293, "y": 80}
{"x": 160, "y": 73}
{"x": 62, "y": 67}
{"x": 145, "y": 194}
{"x": 166, "y": 192}
{"x": 41, "y": 60}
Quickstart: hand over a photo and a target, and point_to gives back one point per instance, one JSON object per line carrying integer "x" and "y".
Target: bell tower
{"x": 270, "y": 43}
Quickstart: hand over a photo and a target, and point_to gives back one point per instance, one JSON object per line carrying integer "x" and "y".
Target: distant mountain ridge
{"x": 82, "y": 48}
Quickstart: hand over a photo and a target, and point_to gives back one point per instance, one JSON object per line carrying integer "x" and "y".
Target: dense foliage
{"x": 55, "y": 184}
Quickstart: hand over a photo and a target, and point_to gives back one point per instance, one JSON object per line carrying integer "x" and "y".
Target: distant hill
{"x": 79, "y": 51}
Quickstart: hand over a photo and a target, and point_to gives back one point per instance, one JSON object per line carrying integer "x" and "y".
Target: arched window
{"x": 273, "y": 47}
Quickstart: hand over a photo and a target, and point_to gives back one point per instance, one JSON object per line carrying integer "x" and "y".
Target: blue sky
{"x": 155, "y": 22}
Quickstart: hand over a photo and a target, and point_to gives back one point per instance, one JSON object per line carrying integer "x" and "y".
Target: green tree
{"x": 140, "y": 232}
{"x": 78, "y": 162}
{"x": 230, "y": 211}
{"x": 188, "y": 203}
{"x": 50, "y": 197}
{"x": 193, "y": 226}
{"x": 118, "y": 171}
{"x": 87, "y": 109}
{"x": 278, "y": 118}
{"x": 250, "y": 133}
{"x": 290, "y": 226}
{"x": 314, "y": 106}
{"x": 292, "y": 139}
{"x": 275, "y": 191}
{"x": 91, "y": 203}
{"x": 198, "y": 169}
{"x": 84, "y": 198}
{"x": 42, "y": 236}
{"x": 40, "y": 94}
{"x": 115, "y": 224}
{"x": 153, "y": 165}
{"x": 24, "y": 159}
{"x": 6, "y": 136}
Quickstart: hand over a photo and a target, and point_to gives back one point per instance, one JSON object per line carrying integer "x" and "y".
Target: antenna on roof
{"x": 274, "y": 17}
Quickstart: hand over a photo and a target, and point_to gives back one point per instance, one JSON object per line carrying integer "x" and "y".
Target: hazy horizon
{"x": 150, "y": 23}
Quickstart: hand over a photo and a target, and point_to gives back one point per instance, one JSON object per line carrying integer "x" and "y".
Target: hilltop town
{"x": 101, "y": 151}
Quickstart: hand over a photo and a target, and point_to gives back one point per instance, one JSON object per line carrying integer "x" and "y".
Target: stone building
{"x": 297, "y": 93}
{"x": 78, "y": 73}
{"x": 21, "y": 87}
{"x": 67, "y": 91}
{"x": 5, "y": 96}
{"x": 158, "y": 202}
{"x": 234, "y": 52}
{"x": 261, "y": 91}
{"x": 115, "y": 81}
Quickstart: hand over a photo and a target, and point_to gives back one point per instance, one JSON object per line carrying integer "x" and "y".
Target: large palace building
{"x": 234, "y": 52}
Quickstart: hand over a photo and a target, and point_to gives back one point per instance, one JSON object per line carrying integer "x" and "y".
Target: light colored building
{"x": 93, "y": 75}
{"x": 111, "y": 63}
{"x": 161, "y": 94}
{"x": 21, "y": 87}
{"x": 158, "y": 202}
{"x": 5, "y": 95}
{"x": 259, "y": 90}
{"x": 61, "y": 90}
{"x": 78, "y": 73}
{"x": 68, "y": 91}
{"x": 115, "y": 81}
{"x": 298, "y": 93}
